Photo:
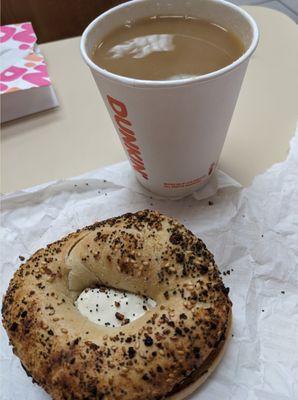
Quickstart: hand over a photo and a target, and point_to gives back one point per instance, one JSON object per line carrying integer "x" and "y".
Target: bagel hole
{"x": 111, "y": 307}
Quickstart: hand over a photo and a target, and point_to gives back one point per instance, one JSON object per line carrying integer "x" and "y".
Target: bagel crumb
{"x": 119, "y": 316}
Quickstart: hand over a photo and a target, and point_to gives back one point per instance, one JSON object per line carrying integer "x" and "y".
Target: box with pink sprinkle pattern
{"x": 25, "y": 85}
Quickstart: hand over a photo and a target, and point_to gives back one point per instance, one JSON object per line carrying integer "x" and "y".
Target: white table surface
{"x": 79, "y": 136}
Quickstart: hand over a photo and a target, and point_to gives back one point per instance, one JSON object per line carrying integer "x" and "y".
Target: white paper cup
{"x": 172, "y": 131}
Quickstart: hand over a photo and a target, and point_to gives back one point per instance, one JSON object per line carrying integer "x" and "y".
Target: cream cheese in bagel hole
{"x": 157, "y": 355}
{"x": 112, "y": 308}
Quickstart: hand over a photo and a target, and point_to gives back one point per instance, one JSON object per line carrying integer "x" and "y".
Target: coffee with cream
{"x": 167, "y": 48}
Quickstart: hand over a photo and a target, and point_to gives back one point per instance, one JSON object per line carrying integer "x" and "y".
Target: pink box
{"x": 25, "y": 85}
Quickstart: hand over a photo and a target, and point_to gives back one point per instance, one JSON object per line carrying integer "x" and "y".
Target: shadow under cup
{"x": 172, "y": 131}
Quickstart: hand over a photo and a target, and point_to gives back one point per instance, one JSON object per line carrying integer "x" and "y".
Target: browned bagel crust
{"x": 148, "y": 253}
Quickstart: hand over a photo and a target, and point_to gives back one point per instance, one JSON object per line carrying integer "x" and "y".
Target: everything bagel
{"x": 154, "y": 357}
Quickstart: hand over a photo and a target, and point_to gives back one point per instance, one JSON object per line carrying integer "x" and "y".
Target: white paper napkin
{"x": 252, "y": 232}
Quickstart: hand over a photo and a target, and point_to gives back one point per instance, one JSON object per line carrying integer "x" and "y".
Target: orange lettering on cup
{"x": 118, "y": 107}
{"x": 127, "y": 135}
{"x": 128, "y": 140}
{"x": 122, "y": 122}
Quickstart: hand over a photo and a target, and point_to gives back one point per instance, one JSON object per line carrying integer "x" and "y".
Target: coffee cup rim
{"x": 175, "y": 82}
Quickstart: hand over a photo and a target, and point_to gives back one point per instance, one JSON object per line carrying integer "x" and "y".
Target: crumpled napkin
{"x": 253, "y": 233}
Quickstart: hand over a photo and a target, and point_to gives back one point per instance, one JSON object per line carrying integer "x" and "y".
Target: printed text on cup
{"x": 127, "y": 135}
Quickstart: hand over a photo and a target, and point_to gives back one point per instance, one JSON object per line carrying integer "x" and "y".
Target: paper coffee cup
{"x": 172, "y": 131}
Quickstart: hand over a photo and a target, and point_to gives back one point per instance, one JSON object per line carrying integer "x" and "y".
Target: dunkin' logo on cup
{"x": 128, "y": 135}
